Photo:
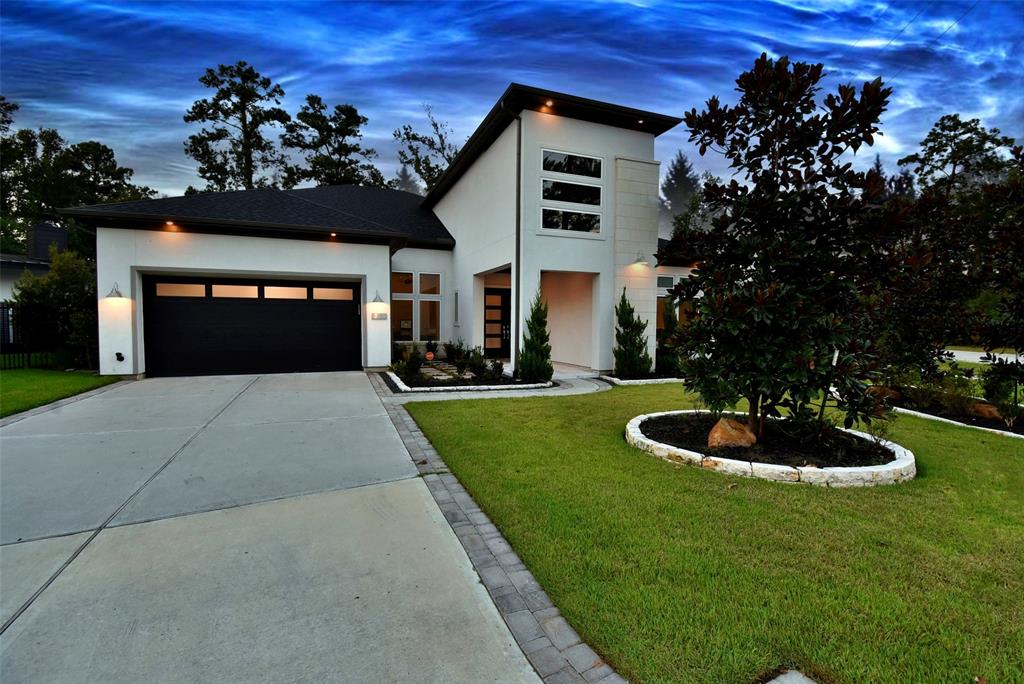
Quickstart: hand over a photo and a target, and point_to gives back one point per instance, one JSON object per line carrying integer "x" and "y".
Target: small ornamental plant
{"x": 632, "y": 359}
{"x": 534, "y": 363}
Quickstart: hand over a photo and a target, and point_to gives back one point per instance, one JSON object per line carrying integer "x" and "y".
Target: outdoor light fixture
{"x": 334, "y": 235}
{"x": 170, "y": 223}
{"x": 640, "y": 260}
{"x": 115, "y": 293}
{"x": 549, "y": 103}
{"x": 640, "y": 121}
{"x": 378, "y": 308}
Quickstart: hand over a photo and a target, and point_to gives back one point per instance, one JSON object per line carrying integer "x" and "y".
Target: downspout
{"x": 519, "y": 211}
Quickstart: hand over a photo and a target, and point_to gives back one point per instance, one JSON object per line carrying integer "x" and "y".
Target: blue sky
{"x": 124, "y": 73}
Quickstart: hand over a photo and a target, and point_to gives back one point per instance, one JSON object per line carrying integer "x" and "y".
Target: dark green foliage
{"x": 410, "y": 369}
{"x": 957, "y": 154}
{"x": 791, "y": 249}
{"x": 632, "y": 359}
{"x": 534, "y": 363}
{"x": 40, "y": 173}
{"x": 666, "y": 357}
{"x": 232, "y": 150}
{"x": 476, "y": 362}
{"x": 1002, "y": 382}
{"x": 431, "y": 346}
{"x": 427, "y": 153}
{"x": 330, "y": 144}
{"x": 57, "y": 310}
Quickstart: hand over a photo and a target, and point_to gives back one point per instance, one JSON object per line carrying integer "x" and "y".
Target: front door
{"x": 497, "y": 323}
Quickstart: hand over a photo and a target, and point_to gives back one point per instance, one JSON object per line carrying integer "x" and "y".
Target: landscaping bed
{"x": 677, "y": 574}
{"x": 781, "y": 444}
{"x": 934, "y": 406}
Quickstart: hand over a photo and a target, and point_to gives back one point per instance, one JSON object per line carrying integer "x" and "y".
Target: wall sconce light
{"x": 115, "y": 293}
{"x": 641, "y": 260}
{"x": 378, "y": 308}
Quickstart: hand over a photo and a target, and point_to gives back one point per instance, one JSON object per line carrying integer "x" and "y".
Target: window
{"x": 335, "y": 293}
{"x": 282, "y": 292}
{"x": 665, "y": 281}
{"x": 415, "y": 306}
{"x": 236, "y": 291}
{"x": 560, "y": 191}
{"x": 574, "y": 164}
{"x": 581, "y": 222}
{"x": 455, "y": 317}
{"x": 430, "y": 283}
{"x": 401, "y": 283}
{"x": 401, "y": 320}
{"x": 180, "y": 290}
{"x": 430, "y": 320}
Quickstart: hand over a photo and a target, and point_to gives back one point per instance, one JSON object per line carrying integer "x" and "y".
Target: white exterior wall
{"x": 7, "y": 281}
{"x": 480, "y": 213}
{"x": 124, "y": 255}
{"x": 417, "y": 260}
{"x": 627, "y": 226}
{"x": 570, "y": 298}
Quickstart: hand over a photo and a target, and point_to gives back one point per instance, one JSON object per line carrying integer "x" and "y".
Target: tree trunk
{"x": 246, "y": 150}
{"x": 752, "y": 420}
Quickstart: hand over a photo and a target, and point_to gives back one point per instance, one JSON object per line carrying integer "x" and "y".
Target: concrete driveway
{"x": 235, "y": 528}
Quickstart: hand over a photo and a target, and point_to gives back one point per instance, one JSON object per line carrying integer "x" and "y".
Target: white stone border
{"x": 647, "y": 381}
{"x": 928, "y": 416}
{"x": 901, "y": 469}
{"x": 402, "y": 387}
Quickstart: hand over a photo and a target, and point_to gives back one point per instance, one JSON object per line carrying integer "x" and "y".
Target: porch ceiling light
{"x": 549, "y": 103}
{"x": 115, "y": 293}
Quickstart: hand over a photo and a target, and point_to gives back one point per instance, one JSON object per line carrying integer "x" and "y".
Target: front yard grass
{"x": 26, "y": 388}
{"x": 674, "y": 574}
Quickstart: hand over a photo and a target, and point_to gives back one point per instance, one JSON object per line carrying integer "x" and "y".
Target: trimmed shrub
{"x": 534, "y": 362}
{"x": 631, "y": 357}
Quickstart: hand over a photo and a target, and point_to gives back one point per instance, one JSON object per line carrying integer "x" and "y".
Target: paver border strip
{"x": 28, "y": 413}
{"x": 903, "y": 467}
{"x": 548, "y": 641}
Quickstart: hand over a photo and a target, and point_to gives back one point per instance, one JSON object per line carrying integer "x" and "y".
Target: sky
{"x": 124, "y": 73}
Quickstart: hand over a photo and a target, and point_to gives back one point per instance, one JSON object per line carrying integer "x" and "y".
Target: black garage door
{"x": 203, "y": 326}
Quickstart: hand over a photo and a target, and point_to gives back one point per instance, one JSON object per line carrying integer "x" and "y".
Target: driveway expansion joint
{"x": 550, "y": 644}
{"x": 106, "y": 523}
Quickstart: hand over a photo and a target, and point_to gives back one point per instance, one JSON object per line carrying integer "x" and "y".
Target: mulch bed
{"x": 454, "y": 383}
{"x": 781, "y": 445}
{"x": 937, "y": 409}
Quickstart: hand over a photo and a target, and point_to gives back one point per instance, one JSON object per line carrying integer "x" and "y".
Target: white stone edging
{"x": 928, "y": 416}
{"x": 646, "y": 381}
{"x": 898, "y": 470}
{"x": 402, "y": 387}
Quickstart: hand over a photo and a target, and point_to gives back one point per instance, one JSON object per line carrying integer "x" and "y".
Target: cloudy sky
{"x": 124, "y": 73}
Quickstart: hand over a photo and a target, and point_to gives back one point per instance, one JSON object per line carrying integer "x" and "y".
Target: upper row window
{"x": 560, "y": 191}
{"x": 574, "y": 164}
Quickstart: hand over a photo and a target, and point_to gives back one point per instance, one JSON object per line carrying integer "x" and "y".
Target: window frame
{"x": 599, "y": 186}
{"x": 558, "y": 205}
{"x": 415, "y": 297}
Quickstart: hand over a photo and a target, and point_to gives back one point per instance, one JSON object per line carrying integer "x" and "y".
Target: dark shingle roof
{"x": 23, "y": 259}
{"x": 348, "y": 210}
{"x": 395, "y": 208}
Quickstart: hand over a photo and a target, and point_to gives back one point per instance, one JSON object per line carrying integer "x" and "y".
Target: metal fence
{"x": 13, "y": 352}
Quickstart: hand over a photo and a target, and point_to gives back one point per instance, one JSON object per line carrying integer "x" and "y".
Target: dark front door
{"x": 497, "y": 323}
{"x": 204, "y": 326}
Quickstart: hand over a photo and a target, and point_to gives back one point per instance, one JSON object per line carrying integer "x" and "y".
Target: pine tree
{"x": 631, "y": 357}
{"x": 406, "y": 182}
{"x": 680, "y": 184}
{"x": 535, "y": 359}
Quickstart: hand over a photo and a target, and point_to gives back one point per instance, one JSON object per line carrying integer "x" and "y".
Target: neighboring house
{"x": 552, "y": 193}
{"x": 37, "y": 260}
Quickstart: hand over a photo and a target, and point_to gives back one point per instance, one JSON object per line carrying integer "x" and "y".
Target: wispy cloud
{"x": 124, "y": 72}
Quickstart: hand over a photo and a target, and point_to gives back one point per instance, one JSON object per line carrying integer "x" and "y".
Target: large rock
{"x": 731, "y": 433}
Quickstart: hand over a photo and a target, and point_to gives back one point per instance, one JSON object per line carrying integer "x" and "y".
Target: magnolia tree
{"x": 779, "y": 306}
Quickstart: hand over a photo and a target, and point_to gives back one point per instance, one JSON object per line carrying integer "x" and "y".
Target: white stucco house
{"x": 552, "y": 193}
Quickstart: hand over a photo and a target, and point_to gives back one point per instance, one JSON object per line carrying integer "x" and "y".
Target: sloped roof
{"x": 518, "y": 97}
{"x": 351, "y": 211}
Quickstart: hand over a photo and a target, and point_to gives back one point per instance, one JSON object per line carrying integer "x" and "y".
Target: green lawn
{"x": 27, "y": 388}
{"x": 674, "y": 574}
{"x": 967, "y": 347}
